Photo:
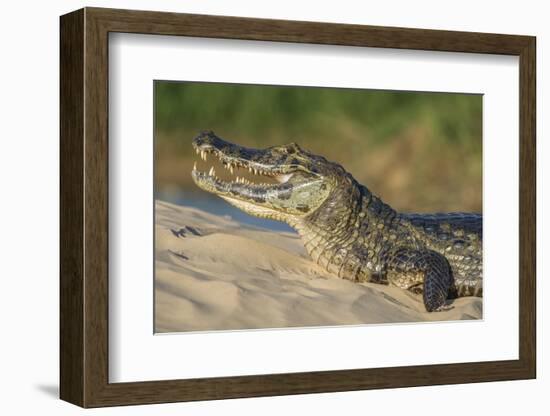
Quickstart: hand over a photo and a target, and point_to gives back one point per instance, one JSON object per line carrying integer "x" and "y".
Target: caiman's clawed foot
{"x": 444, "y": 308}
{"x": 433, "y": 269}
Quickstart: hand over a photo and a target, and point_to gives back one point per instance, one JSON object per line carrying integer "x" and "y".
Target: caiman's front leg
{"x": 411, "y": 269}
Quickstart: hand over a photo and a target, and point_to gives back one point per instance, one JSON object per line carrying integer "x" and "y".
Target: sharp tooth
{"x": 250, "y": 169}
{"x": 195, "y": 166}
{"x": 211, "y": 172}
{"x": 231, "y": 169}
{"x": 197, "y": 150}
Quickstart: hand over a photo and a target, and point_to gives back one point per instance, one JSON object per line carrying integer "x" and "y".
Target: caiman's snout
{"x": 270, "y": 161}
{"x": 297, "y": 190}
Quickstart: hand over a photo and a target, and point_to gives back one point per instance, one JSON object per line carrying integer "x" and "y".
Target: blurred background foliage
{"x": 421, "y": 152}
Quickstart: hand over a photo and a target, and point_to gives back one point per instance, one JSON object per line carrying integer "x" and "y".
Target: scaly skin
{"x": 348, "y": 230}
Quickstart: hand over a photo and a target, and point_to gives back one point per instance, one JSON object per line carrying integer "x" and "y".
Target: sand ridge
{"x": 213, "y": 273}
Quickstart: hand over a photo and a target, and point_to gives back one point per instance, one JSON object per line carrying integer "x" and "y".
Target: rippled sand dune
{"x": 212, "y": 273}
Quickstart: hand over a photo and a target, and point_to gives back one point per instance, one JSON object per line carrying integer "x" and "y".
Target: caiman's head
{"x": 303, "y": 183}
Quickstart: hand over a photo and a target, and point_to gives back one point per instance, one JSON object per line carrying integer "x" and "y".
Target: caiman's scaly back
{"x": 345, "y": 228}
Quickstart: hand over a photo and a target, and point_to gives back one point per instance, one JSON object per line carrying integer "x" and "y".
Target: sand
{"x": 213, "y": 273}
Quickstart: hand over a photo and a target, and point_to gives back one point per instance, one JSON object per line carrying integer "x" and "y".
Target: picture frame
{"x": 84, "y": 217}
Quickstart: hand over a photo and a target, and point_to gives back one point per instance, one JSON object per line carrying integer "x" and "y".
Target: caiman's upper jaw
{"x": 232, "y": 163}
{"x": 256, "y": 161}
{"x": 252, "y": 161}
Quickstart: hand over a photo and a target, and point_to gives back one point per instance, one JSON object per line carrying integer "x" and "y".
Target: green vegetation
{"x": 419, "y": 151}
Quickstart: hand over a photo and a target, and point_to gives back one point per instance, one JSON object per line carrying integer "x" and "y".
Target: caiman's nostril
{"x": 205, "y": 135}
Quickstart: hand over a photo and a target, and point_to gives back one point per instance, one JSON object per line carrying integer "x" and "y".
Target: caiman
{"x": 347, "y": 229}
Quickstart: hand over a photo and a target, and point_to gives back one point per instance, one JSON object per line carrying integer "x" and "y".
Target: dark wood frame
{"x": 84, "y": 207}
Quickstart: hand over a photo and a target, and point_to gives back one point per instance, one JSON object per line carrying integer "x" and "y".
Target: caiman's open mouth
{"x": 253, "y": 162}
{"x": 233, "y": 166}
{"x": 294, "y": 186}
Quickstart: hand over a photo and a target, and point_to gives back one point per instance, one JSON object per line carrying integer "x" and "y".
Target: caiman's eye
{"x": 291, "y": 148}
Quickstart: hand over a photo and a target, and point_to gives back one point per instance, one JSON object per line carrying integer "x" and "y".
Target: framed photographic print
{"x": 255, "y": 207}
